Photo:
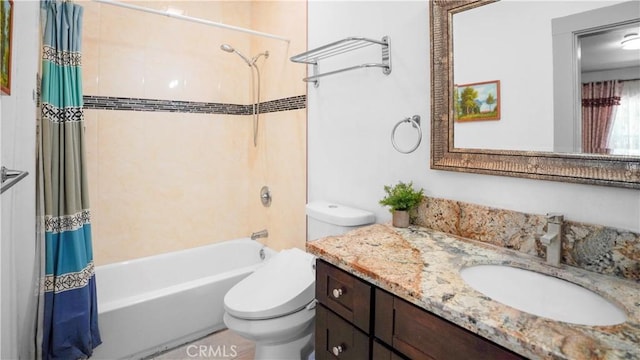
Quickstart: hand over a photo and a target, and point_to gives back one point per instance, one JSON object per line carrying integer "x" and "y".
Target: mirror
{"x": 521, "y": 141}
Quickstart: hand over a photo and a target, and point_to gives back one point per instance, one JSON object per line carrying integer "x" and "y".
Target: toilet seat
{"x": 284, "y": 285}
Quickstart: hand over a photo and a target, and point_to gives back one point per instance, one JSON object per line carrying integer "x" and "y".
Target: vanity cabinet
{"x": 356, "y": 320}
{"x": 419, "y": 334}
{"x": 343, "y": 317}
{"x": 336, "y": 338}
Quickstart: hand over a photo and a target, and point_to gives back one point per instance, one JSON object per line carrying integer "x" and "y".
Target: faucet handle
{"x": 555, "y": 218}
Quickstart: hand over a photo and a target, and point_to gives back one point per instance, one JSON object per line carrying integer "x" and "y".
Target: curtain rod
{"x": 192, "y": 19}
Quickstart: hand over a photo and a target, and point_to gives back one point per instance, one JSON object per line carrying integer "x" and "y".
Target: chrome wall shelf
{"x": 340, "y": 47}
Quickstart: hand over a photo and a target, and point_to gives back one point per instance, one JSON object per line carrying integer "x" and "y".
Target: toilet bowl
{"x": 275, "y": 306}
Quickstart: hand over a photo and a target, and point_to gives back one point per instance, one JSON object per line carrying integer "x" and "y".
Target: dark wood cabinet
{"x": 356, "y": 320}
{"x": 336, "y": 338}
{"x": 420, "y": 334}
{"x": 382, "y": 352}
{"x": 344, "y": 294}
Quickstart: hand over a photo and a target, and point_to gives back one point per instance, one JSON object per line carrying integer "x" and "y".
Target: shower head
{"x": 228, "y": 48}
{"x": 252, "y": 64}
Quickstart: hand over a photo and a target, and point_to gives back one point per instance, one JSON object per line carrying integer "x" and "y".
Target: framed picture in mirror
{"x": 477, "y": 101}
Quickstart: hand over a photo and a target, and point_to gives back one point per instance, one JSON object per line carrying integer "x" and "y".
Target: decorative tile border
{"x": 285, "y": 104}
{"x": 154, "y": 105}
{"x": 595, "y": 248}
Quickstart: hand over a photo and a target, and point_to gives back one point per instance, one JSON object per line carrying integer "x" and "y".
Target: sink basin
{"x": 542, "y": 295}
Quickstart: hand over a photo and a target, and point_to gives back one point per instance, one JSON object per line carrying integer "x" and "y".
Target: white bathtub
{"x": 156, "y": 303}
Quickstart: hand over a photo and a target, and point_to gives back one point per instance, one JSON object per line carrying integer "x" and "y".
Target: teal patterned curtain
{"x": 68, "y": 315}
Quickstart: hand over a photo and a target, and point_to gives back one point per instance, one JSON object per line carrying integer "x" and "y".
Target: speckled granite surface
{"x": 596, "y": 248}
{"x": 422, "y": 266}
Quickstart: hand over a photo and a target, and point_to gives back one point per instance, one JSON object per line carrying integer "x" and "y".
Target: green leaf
{"x": 402, "y": 196}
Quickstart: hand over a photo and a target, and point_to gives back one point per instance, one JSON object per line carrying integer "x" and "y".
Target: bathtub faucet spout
{"x": 259, "y": 234}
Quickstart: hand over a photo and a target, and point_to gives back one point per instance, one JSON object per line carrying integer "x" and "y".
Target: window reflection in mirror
{"x": 610, "y": 78}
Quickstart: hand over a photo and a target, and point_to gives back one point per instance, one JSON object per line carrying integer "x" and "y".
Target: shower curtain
{"x": 68, "y": 318}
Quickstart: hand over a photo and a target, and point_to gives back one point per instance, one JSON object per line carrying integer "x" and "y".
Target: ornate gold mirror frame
{"x": 620, "y": 171}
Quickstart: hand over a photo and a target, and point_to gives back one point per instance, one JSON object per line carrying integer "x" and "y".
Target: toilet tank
{"x": 327, "y": 218}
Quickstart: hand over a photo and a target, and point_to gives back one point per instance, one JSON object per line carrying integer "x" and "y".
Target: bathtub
{"x": 155, "y": 303}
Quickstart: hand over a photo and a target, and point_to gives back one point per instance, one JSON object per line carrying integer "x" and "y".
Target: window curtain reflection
{"x": 625, "y": 133}
{"x": 599, "y": 102}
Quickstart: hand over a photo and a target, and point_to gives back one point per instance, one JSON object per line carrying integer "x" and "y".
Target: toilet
{"x": 327, "y": 219}
{"x": 275, "y": 305}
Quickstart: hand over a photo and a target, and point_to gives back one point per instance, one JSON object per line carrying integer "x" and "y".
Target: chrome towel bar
{"x": 312, "y": 57}
{"x": 315, "y": 78}
{"x": 14, "y": 176}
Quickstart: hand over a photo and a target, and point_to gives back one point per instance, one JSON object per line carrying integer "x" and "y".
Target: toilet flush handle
{"x": 337, "y": 293}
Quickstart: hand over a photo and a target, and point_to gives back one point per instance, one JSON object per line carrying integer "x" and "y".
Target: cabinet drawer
{"x": 344, "y": 294}
{"x": 419, "y": 334}
{"x": 381, "y": 352}
{"x": 337, "y": 339}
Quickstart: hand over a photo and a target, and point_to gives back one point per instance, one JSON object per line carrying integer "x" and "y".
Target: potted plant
{"x": 401, "y": 198}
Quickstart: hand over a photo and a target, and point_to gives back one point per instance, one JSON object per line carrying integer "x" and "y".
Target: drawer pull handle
{"x": 337, "y": 350}
{"x": 337, "y": 293}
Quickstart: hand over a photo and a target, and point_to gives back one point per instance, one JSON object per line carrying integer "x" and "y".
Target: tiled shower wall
{"x": 169, "y": 136}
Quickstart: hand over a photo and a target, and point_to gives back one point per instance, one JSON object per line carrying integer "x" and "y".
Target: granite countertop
{"x": 422, "y": 266}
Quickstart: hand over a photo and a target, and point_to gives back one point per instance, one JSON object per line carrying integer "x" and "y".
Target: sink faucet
{"x": 552, "y": 240}
{"x": 259, "y": 234}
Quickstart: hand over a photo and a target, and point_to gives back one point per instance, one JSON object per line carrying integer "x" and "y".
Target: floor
{"x": 220, "y": 345}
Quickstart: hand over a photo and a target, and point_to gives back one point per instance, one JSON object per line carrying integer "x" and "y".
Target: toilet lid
{"x": 285, "y": 284}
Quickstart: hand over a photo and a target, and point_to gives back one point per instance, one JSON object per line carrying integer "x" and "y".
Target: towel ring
{"x": 415, "y": 122}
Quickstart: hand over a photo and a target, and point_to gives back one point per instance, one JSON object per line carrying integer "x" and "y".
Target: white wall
{"x": 351, "y": 115}
{"x": 18, "y": 131}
